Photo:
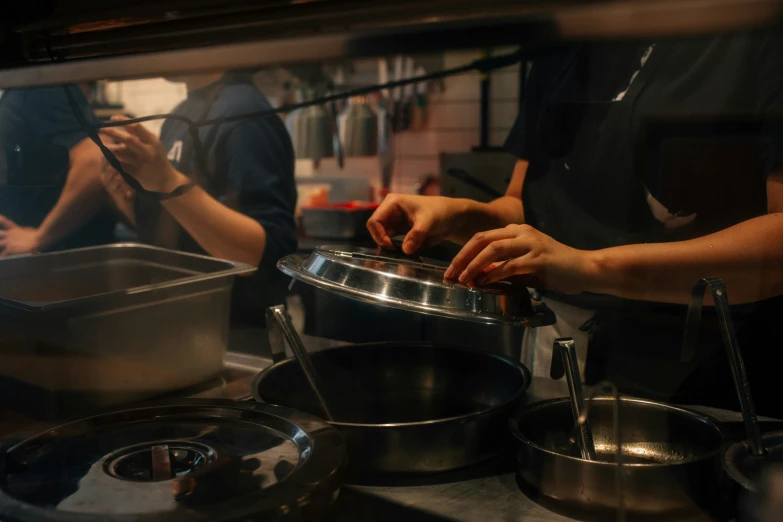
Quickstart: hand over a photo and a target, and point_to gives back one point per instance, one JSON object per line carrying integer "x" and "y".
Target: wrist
{"x": 462, "y": 210}
{"x": 172, "y": 179}
{"x": 597, "y": 265}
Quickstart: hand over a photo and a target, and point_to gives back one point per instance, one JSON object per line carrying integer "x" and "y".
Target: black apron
{"x": 591, "y": 159}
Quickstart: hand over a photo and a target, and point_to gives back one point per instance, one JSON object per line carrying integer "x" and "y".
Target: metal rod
{"x": 618, "y": 437}
{"x": 567, "y": 349}
{"x": 281, "y": 318}
{"x": 740, "y": 376}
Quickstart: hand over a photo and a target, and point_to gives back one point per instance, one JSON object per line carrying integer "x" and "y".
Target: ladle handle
{"x": 567, "y": 349}
{"x": 281, "y": 319}
{"x": 741, "y": 383}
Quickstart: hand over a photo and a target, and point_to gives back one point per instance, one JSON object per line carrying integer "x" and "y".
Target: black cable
{"x": 483, "y": 65}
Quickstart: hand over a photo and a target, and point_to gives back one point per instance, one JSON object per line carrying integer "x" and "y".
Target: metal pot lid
{"x": 189, "y": 461}
{"x": 411, "y": 283}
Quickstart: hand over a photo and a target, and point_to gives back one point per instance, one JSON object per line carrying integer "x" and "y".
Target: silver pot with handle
{"x": 403, "y": 408}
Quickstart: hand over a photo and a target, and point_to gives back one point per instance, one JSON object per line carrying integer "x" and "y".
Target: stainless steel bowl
{"x": 671, "y": 458}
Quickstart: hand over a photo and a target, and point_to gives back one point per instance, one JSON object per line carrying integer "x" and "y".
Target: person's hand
{"x": 425, "y": 220}
{"x": 17, "y": 240}
{"x": 142, "y": 156}
{"x": 524, "y": 254}
{"x": 121, "y": 195}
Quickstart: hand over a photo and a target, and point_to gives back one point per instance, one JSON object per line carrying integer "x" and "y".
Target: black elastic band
{"x": 483, "y": 65}
{"x": 92, "y": 133}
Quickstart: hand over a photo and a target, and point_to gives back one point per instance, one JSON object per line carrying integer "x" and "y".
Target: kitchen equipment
{"x": 277, "y": 315}
{"x": 463, "y": 176}
{"x": 358, "y": 125}
{"x": 412, "y": 283}
{"x": 405, "y": 408}
{"x": 338, "y": 220}
{"x": 95, "y": 327}
{"x": 197, "y": 460}
{"x": 492, "y": 169}
{"x": 671, "y": 458}
{"x": 567, "y": 349}
{"x": 746, "y": 461}
{"x": 311, "y": 129}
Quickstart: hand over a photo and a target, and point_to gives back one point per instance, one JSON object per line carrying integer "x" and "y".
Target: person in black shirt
{"x": 51, "y": 195}
{"x": 242, "y": 207}
{"x": 642, "y": 168}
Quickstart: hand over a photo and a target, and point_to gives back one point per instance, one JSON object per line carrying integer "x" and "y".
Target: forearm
{"x": 748, "y": 257}
{"x": 81, "y": 198}
{"x": 474, "y": 217}
{"x": 221, "y": 231}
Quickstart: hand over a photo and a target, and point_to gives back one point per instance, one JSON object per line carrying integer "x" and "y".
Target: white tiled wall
{"x": 453, "y": 115}
{"x": 147, "y": 97}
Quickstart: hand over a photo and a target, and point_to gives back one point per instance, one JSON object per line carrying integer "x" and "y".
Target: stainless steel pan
{"x": 407, "y": 408}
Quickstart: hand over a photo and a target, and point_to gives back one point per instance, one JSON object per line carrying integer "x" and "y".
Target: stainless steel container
{"x": 671, "y": 459}
{"x": 96, "y": 327}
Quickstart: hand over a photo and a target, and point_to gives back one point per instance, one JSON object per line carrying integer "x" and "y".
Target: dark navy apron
{"x": 592, "y": 195}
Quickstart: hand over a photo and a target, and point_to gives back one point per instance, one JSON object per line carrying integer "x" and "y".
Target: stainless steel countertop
{"x": 486, "y": 493}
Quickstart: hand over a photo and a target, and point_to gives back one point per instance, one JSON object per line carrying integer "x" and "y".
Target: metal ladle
{"x": 738, "y": 372}
{"x": 279, "y": 323}
{"x": 567, "y": 349}
{"x": 744, "y": 461}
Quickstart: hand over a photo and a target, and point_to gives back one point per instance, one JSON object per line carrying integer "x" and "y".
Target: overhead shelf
{"x": 172, "y": 37}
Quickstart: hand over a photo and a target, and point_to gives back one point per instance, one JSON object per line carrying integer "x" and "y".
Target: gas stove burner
{"x": 156, "y": 461}
{"x": 189, "y": 461}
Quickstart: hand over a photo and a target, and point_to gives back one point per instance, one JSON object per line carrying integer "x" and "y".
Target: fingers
{"x": 418, "y": 234}
{"x": 380, "y": 223}
{"x": 125, "y": 155}
{"x": 472, "y": 248}
{"x": 7, "y": 223}
{"x": 3, "y": 235}
{"x": 136, "y": 129}
{"x": 121, "y": 137}
{"x": 502, "y": 250}
{"x": 517, "y": 268}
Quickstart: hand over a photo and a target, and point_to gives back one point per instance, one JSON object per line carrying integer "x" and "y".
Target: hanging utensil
{"x": 277, "y": 316}
{"x": 567, "y": 349}
{"x": 741, "y": 384}
{"x": 744, "y": 461}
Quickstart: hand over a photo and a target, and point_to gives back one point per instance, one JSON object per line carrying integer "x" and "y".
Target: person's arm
{"x": 221, "y": 231}
{"x": 431, "y": 219}
{"x": 748, "y": 257}
{"x": 218, "y": 229}
{"x": 81, "y": 198}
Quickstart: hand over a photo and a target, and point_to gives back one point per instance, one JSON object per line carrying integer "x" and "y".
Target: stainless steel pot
{"x": 671, "y": 459}
{"x": 407, "y": 408}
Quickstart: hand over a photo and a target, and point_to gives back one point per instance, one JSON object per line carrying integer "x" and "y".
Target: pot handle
{"x": 276, "y": 339}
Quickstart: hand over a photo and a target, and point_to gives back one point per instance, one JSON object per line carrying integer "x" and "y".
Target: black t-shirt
{"x": 703, "y": 132}
{"x": 250, "y": 168}
{"x": 37, "y": 130}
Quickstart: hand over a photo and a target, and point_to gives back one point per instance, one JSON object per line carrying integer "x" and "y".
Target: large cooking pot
{"x": 407, "y": 408}
{"x": 670, "y": 463}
